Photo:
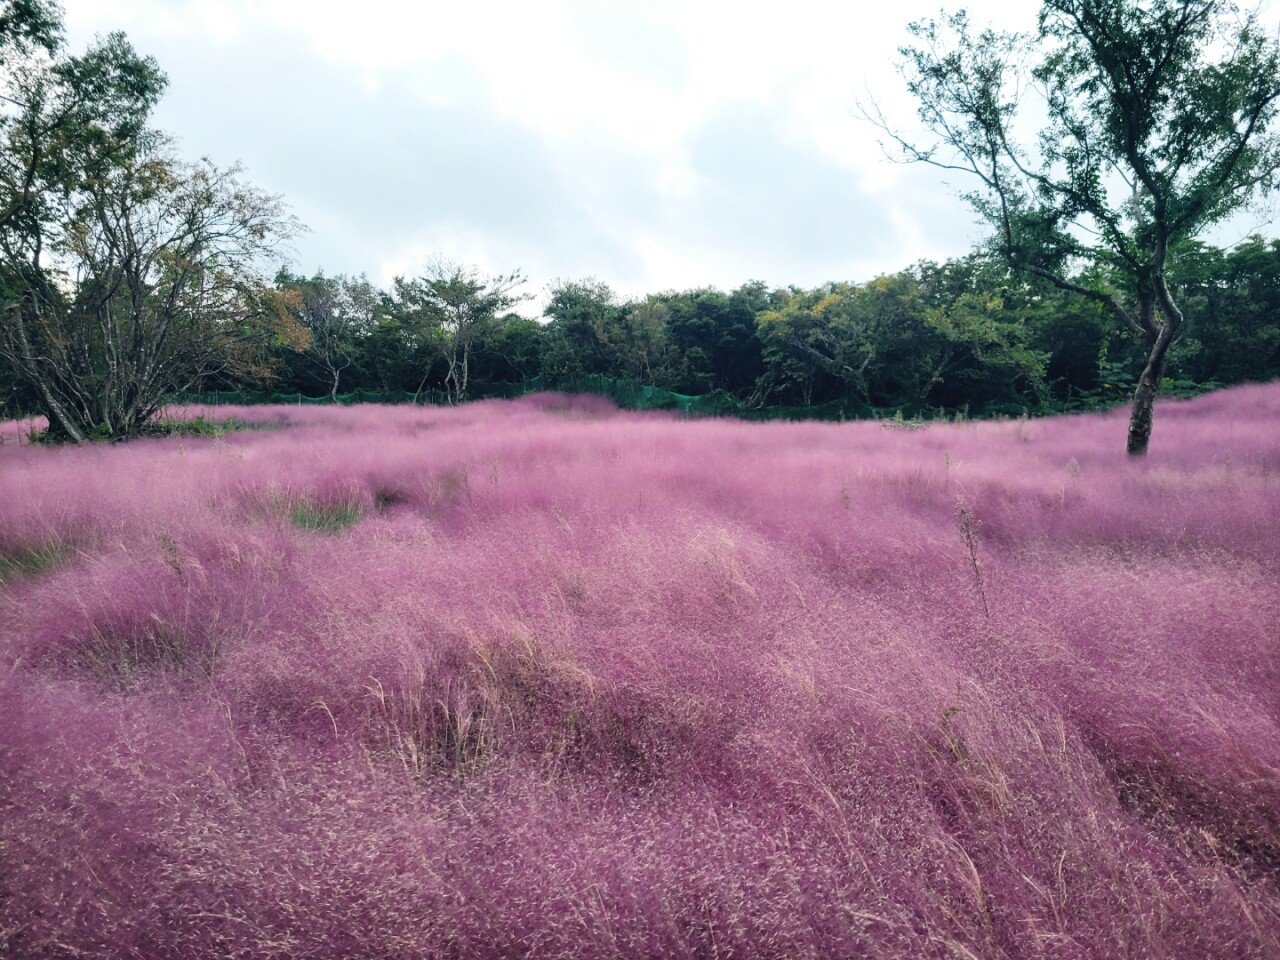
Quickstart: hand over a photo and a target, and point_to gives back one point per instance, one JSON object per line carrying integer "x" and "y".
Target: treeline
{"x": 964, "y": 335}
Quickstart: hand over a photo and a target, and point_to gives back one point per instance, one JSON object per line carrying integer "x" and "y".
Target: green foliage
{"x": 793, "y": 336}
{"x": 450, "y": 310}
{"x": 1176, "y": 101}
{"x": 333, "y": 316}
{"x": 125, "y": 274}
{"x": 967, "y": 336}
{"x": 29, "y": 561}
{"x": 156, "y": 427}
{"x": 193, "y": 427}
{"x": 325, "y": 516}
{"x": 512, "y": 353}
{"x": 575, "y": 342}
{"x": 29, "y": 25}
{"x": 710, "y": 336}
{"x": 990, "y": 357}
{"x": 67, "y": 119}
{"x": 1232, "y": 302}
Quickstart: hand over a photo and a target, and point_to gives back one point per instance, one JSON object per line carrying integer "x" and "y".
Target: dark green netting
{"x": 628, "y": 394}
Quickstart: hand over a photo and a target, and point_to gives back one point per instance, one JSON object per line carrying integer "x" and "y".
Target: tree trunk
{"x": 61, "y": 423}
{"x": 62, "y": 426}
{"x": 1144, "y": 397}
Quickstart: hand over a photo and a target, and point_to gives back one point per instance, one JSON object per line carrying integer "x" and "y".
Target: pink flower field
{"x": 545, "y": 679}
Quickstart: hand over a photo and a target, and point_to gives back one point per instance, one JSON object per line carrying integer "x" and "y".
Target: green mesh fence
{"x": 628, "y": 394}
{"x": 640, "y": 396}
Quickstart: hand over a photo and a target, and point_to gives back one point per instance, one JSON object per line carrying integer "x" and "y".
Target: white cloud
{"x": 651, "y": 143}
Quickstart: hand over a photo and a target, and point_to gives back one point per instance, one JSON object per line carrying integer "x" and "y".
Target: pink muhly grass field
{"x": 540, "y": 678}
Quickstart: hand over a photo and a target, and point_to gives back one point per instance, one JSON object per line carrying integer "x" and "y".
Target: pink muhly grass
{"x": 542, "y": 678}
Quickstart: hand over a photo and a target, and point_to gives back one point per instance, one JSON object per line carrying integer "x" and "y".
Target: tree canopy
{"x": 1156, "y": 120}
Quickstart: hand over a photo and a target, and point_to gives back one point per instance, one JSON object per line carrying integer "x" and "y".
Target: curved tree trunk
{"x": 62, "y": 425}
{"x": 1144, "y": 397}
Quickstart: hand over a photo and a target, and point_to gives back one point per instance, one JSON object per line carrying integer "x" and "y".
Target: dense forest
{"x": 964, "y": 336}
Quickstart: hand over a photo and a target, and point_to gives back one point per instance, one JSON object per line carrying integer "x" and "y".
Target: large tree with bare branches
{"x": 153, "y": 285}
{"x": 125, "y": 275}
{"x": 1157, "y": 119}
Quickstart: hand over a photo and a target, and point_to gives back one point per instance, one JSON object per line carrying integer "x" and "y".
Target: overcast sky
{"x": 651, "y": 144}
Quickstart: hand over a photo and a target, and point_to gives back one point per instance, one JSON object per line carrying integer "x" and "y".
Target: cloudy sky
{"x": 653, "y": 144}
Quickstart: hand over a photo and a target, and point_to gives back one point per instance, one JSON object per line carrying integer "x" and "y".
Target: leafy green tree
{"x": 29, "y": 24}
{"x": 1158, "y": 121}
{"x": 579, "y": 313}
{"x": 64, "y": 119}
{"x": 951, "y": 335}
{"x": 1078, "y": 338}
{"x": 978, "y": 323}
{"x": 510, "y": 353}
{"x": 337, "y": 314}
{"x": 454, "y": 308}
{"x": 798, "y": 343}
{"x": 1233, "y": 313}
{"x": 124, "y": 274}
{"x": 739, "y": 359}
{"x": 393, "y": 354}
{"x": 989, "y": 360}
{"x": 636, "y": 335}
{"x": 711, "y": 339}
{"x": 902, "y": 357}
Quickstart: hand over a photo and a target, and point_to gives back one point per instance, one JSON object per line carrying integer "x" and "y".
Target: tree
{"x": 149, "y": 286}
{"x": 337, "y": 314}
{"x": 1159, "y": 120}
{"x": 899, "y": 357}
{"x": 710, "y": 338}
{"x": 453, "y": 307}
{"x": 64, "y": 119}
{"x": 798, "y": 341}
{"x": 29, "y": 24}
{"x": 635, "y": 337}
{"x": 124, "y": 274}
{"x": 986, "y": 358}
{"x": 512, "y": 353}
{"x": 1240, "y": 289}
{"x": 579, "y": 312}
{"x": 392, "y": 353}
